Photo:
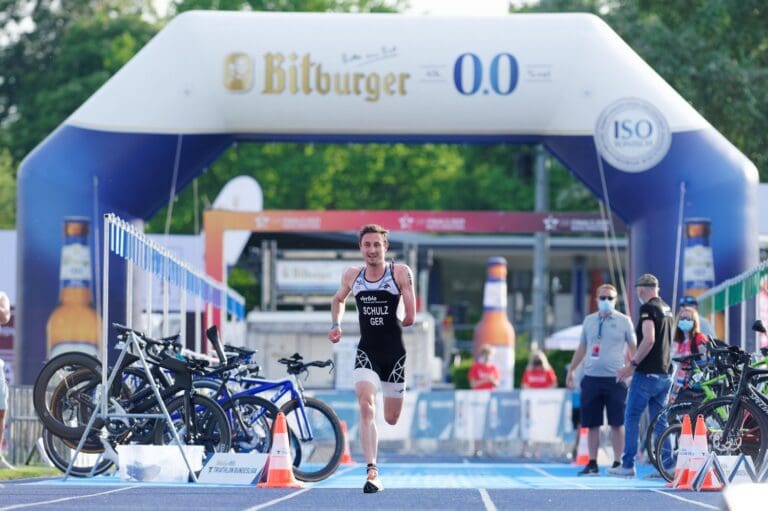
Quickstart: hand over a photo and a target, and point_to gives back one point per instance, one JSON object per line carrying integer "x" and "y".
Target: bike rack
{"x": 124, "y": 240}
{"x": 133, "y": 342}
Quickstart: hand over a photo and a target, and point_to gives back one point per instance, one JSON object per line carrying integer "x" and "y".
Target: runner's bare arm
{"x": 338, "y": 302}
{"x": 404, "y": 279}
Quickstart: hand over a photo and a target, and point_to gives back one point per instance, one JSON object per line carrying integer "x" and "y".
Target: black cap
{"x": 689, "y": 300}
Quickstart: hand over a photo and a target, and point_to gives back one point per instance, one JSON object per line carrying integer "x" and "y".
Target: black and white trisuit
{"x": 381, "y": 352}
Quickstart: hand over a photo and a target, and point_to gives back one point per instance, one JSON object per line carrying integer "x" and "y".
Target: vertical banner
{"x": 698, "y": 262}
{"x": 74, "y": 325}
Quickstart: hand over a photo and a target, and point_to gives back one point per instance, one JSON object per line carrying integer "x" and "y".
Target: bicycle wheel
{"x": 250, "y": 418}
{"x": 667, "y": 461}
{"x": 321, "y": 446}
{"x": 67, "y": 406}
{"x": 211, "y": 425}
{"x": 672, "y": 414}
{"x": 53, "y": 378}
{"x": 750, "y": 429}
{"x": 207, "y": 387}
{"x": 73, "y": 401}
{"x": 60, "y": 453}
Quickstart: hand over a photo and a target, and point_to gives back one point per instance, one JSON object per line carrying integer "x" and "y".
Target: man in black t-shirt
{"x": 649, "y": 368}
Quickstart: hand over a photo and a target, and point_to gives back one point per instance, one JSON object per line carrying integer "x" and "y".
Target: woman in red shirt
{"x": 539, "y": 374}
{"x": 483, "y": 374}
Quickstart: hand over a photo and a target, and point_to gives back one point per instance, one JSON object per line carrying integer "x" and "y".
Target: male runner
{"x": 378, "y": 287}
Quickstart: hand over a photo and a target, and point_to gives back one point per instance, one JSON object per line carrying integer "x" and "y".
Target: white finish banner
{"x": 302, "y": 73}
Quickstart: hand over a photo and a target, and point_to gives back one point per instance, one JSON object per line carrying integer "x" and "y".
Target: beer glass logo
{"x": 632, "y": 135}
{"x": 238, "y": 72}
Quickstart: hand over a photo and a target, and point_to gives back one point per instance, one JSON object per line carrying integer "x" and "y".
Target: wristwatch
{"x": 633, "y": 363}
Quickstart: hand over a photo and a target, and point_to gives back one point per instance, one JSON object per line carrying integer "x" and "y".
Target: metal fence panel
{"x": 24, "y": 427}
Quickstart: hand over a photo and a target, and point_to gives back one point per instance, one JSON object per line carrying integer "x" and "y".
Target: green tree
{"x": 291, "y": 5}
{"x": 713, "y": 52}
{"x": 7, "y": 190}
{"x": 45, "y": 81}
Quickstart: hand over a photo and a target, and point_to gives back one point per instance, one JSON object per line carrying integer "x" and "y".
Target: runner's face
{"x": 373, "y": 247}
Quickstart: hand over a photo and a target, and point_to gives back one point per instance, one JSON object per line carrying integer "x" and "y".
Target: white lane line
{"x": 560, "y": 479}
{"x": 265, "y": 505}
{"x": 706, "y": 506}
{"x": 63, "y": 499}
{"x": 487, "y": 502}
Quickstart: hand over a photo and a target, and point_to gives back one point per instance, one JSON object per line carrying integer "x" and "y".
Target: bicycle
{"x": 735, "y": 424}
{"x": 198, "y": 419}
{"x": 705, "y": 383}
{"x": 315, "y": 433}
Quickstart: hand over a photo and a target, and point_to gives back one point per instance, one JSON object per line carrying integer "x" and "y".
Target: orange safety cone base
{"x": 346, "y": 458}
{"x": 279, "y": 467}
{"x": 582, "y": 455}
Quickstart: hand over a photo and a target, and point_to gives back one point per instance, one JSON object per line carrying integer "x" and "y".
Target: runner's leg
{"x": 369, "y": 438}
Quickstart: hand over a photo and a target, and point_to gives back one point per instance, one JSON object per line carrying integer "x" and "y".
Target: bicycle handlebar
{"x": 172, "y": 340}
{"x": 296, "y": 366}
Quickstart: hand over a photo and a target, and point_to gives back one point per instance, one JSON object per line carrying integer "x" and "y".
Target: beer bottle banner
{"x": 73, "y": 325}
{"x": 494, "y": 327}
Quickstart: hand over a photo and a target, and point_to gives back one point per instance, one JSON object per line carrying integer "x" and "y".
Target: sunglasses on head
{"x": 606, "y": 297}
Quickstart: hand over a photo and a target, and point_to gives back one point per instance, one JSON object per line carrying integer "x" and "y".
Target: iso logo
{"x": 632, "y": 135}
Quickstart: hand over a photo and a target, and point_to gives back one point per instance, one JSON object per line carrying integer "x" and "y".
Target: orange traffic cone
{"x": 582, "y": 455}
{"x": 711, "y": 481}
{"x": 684, "y": 445}
{"x": 346, "y": 458}
{"x": 699, "y": 453}
{"x": 279, "y": 464}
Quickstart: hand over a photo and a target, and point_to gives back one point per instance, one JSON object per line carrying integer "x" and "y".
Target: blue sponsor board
{"x": 433, "y": 415}
{"x": 503, "y": 416}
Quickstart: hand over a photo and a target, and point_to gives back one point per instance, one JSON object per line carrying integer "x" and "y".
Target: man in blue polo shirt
{"x": 606, "y": 336}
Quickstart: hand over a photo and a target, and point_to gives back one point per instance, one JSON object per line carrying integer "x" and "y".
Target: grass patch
{"x": 28, "y": 472}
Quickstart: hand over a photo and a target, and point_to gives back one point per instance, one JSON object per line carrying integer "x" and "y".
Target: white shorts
{"x": 388, "y": 389}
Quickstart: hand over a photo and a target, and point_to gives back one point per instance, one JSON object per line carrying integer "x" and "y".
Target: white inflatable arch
{"x": 212, "y": 78}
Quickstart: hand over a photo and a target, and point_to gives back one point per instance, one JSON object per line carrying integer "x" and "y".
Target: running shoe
{"x": 373, "y": 483}
{"x": 589, "y": 470}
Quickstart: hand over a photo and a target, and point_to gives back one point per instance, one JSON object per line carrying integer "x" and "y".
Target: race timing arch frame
{"x": 210, "y": 79}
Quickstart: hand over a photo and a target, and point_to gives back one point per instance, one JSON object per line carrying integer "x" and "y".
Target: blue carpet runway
{"x": 420, "y": 485}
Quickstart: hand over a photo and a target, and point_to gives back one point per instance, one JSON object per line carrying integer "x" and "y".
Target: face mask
{"x": 685, "y": 325}
{"x": 605, "y": 305}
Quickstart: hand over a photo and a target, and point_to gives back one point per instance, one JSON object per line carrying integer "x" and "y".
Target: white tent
{"x": 565, "y": 339}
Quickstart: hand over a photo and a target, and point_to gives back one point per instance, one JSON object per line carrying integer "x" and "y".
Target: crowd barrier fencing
{"x": 745, "y": 294}
{"x": 528, "y": 422}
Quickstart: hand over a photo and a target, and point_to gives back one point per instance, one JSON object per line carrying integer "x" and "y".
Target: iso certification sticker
{"x": 632, "y": 135}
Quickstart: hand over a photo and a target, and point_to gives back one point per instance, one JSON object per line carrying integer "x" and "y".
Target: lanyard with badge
{"x": 596, "y": 346}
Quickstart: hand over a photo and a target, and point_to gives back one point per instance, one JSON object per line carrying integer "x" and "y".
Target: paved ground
{"x": 418, "y": 483}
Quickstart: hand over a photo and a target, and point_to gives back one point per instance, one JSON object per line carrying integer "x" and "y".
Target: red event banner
{"x": 411, "y": 221}
{"x": 216, "y": 222}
